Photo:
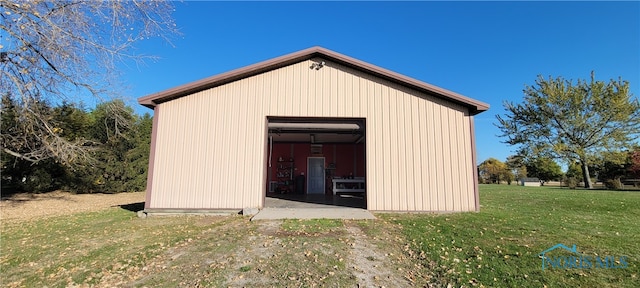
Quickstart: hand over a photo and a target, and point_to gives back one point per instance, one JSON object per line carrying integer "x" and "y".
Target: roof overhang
{"x": 152, "y": 100}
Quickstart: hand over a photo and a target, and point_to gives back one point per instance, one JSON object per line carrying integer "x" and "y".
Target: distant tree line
{"x": 115, "y": 140}
{"x": 612, "y": 169}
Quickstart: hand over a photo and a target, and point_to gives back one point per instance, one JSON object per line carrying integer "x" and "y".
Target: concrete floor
{"x": 291, "y": 206}
{"x": 314, "y": 201}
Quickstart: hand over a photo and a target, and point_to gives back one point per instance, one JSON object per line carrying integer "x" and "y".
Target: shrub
{"x": 613, "y": 184}
{"x": 571, "y": 182}
{"x": 39, "y": 181}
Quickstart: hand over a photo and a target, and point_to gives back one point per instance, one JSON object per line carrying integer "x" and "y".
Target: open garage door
{"x": 316, "y": 162}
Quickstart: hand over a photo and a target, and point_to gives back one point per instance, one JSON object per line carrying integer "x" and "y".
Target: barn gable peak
{"x": 152, "y": 100}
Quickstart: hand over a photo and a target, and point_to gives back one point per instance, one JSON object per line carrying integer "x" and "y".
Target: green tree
{"x": 17, "y": 133}
{"x": 516, "y": 163}
{"x": 574, "y": 172}
{"x": 544, "y": 169}
{"x": 138, "y": 156}
{"x": 72, "y": 122}
{"x": 114, "y": 128}
{"x": 572, "y": 121}
{"x": 115, "y": 140}
{"x": 493, "y": 171}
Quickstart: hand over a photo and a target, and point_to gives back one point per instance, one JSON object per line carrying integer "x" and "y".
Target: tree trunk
{"x": 585, "y": 175}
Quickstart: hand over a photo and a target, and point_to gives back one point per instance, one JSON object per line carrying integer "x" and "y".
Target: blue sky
{"x": 484, "y": 50}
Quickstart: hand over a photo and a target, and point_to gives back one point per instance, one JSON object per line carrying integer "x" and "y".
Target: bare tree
{"x": 52, "y": 51}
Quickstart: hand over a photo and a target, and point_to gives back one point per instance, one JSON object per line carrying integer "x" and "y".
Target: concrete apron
{"x": 313, "y": 213}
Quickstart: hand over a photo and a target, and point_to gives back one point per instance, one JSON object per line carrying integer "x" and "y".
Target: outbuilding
{"x": 314, "y": 122}
{"x": 530, "y": 181}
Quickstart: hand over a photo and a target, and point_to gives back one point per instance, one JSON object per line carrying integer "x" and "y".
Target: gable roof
{"x": 152, "y": 100}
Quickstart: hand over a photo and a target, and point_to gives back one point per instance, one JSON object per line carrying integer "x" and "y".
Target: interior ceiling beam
{"x": 314, "y": 126}
{"x": 316, "y": 131}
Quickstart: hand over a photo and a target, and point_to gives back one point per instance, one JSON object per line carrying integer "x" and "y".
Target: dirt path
{"x": 370, "y": 265}
{"x": 235, "y": 252}
{"x": 28, "y": 206}
{"x": 264, "y": 254}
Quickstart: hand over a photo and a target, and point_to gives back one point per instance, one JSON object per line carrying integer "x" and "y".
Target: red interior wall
{"x": 360, "y": 161}
{"x": 300, "y": 153}
{"x": 344, "y": 163}
{"x": 344, "y": 157}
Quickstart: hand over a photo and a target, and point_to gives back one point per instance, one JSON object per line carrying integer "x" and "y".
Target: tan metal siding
{"x": 211, "y": 146}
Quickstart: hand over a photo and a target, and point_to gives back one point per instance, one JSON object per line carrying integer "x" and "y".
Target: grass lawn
{"x": 497, "y": 247}
{"x": 500, "y": 245}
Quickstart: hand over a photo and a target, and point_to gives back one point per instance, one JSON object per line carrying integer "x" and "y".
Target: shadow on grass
{"x": 133, "y": 207}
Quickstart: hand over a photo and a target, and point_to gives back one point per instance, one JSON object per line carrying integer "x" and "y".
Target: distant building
{"x": 530, "y": 181}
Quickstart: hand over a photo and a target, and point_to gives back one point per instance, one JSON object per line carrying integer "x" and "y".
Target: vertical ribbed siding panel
{"x": 392, "y": 147}
{"x": 161, "y": 161}
{"x": 462, "y": 167}
{"x": 327, "y": 90}
{"x": 295, "y": 90}
{"x": 377, "y": 136}
{"x": 446, "y": 159}
{"x": 270, "y": 102}
{"x": 315, "y": 86}
{"x": 304, "y": 88}
{"x": 217, "y": 100}
{"x": 395, "y": 123}
{"x": 211, "y": 152}
{"x": 258, "y": 148}
{"x": 226, "y": 97}
{"x": 386, "y": 169}
{"x": 240, "y": 194}
{"x": 196, "y": 134}
{"x": 335, "y": 87}
{"x": 353, "y": 88}
{"x": 455, "y": 158}
{"x": 438, "y": 159}
{"x": 345, "y": 106}
{"x": 413, "y": 152}
{"x": 289, "y": 92}
{"x": 407, "y": 198}
{"x": 255, "y": 141}
{"x": 425, "y": 146}
{"x": 453, "y": 155}
{"x": 398, "y": 195}
{"x": 362, "y": 107}
{"x": 228, "y": 190}
{"x": 374, "y": 195}
{"x": 422, "y": 168}
{"x": 179, "y": 160}
{"x": 244, "y": 139}
{"x": 272, "y": 86}
{"x": 281, "y": 92}
{"x": 173, "y": 142}
{"x": 466, "y": 189}
{"x": 469, "y": 165}
{"x": 316, "y": 92}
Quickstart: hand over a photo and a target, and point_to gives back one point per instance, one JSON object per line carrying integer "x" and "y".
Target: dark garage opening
{"x": 315, "y": 162}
